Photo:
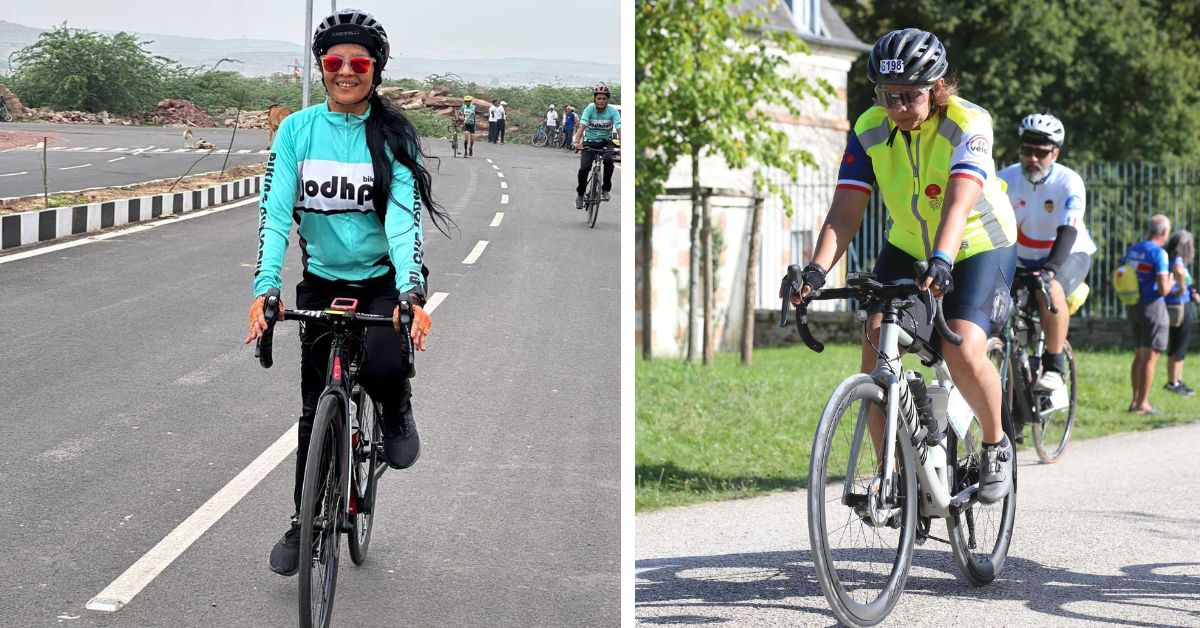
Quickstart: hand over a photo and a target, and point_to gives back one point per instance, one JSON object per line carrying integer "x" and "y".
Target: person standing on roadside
{"x": 501, "y": 120}
{"x": 1181, "y": 250}
{"x": 492, "y": 128}
{"x": 551, "y": 124}
{"x": 1148, "y": 317}
{"x": 568, "y": 126}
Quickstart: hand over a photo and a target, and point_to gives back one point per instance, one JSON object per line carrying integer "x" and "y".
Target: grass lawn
{"x": 727, "y": 431}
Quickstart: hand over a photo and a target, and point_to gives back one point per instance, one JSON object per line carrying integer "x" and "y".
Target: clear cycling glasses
{"x": 333, "y": 64}
{"x": 907, "y": 99}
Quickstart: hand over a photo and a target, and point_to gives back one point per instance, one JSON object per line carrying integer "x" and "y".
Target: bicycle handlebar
{"x": 1043, "y": 283}
{"x": 864, "y": 288}
{"x": 272, "y": 312}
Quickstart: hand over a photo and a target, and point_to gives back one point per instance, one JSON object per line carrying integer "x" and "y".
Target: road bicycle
{"x": 558, "y": 139}
{"x": 1017, "y": 354}
{"x": 345, "y": 453}
{"x": 868, "y": 508}
{"x": 454, "y": 139}
{"x": 593, "y": 190}
{"x": 5, "y": 114}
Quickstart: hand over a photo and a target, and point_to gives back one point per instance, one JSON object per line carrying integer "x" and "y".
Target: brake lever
{"x": 790, "y": 284}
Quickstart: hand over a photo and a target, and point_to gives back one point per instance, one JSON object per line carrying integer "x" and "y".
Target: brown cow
{"x": 275, "y": 116}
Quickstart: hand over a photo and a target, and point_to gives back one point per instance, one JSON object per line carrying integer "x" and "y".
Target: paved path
{"x": 1109, "y": 536}
{"x": 129, "y": 401}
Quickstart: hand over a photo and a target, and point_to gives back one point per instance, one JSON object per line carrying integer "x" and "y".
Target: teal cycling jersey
{"x": 319, "y": 175}
{"x": 599, "y": 126}
{"x": 468, "y": 113}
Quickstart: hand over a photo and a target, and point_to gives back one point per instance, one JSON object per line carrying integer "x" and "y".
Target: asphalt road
{"x": 129, "y": 400}
{"x": 1109, "y": 536}
{"x": 85, "y": 156}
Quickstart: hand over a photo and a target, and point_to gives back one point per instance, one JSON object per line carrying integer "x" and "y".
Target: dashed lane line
{"x": 74, "y": 167}
{"x": 504, "y": 199}
{"x": 504, "y": 185}
{"x": 476, "y": 252}
{"x": 500, "y": 174}
{"x": 495, "y": 167}
{"x": 116, "y": 159}
{"x": 489, "y": 159}
{"x": 497, "y": 219}
{"x": 13, "y": 174}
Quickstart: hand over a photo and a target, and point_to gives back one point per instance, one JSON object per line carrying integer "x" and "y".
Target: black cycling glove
{"x": 939, "y": 269}
{"x": 814, "y": 275}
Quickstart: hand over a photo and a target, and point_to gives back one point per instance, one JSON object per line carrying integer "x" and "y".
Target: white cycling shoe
{"x": 1050, "y": 382}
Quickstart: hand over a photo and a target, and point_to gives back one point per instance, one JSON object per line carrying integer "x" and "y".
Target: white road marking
{"x": 74, "y": 167}
{"x": 163, "y": 150}
{"x": 435, "y": 301}
{"x": 13, "y": 174}
{"x": 495, "y": 167}
{"x": 500, "y": 174}
{"x": 504, "y": 199}
{"x": 57, "y": 148}
{"x": 77, "y": 148}
{"x": 123, "y": 232}
{"x": 497, "y": 219}
{"x": 117, "y": 159}
{"x": 476, "y": 252}
{"x": 38, "y": 145}
{"x": 139, "y": 151}
{"x": 489, "y": 160}
{"x": 98, "y": 150}
{"x": 177, "y": 150}
{"x": 504, "y": 185}
{"x": 117, "y": 150}
{"x": 243, "y": 151}
{"x": 152, "y": 563}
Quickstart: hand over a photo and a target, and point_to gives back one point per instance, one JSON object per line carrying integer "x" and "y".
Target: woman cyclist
{"x": 1181, "y": 250}
{"x": 350, "y": 171}
{"x": 929, "y": 152}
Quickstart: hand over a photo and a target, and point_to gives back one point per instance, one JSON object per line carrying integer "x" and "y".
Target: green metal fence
{"x": 1121, "y": 197}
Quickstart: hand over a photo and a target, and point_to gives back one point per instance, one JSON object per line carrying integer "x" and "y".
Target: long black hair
{"x": 388, "y": 129}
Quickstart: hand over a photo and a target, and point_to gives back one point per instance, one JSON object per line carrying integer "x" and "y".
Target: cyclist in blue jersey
{"x": 466, "y": 117}
{"x": 349, "y": 172}
{"x": 595, "y": 130}
{"x": 1148, "y": 317}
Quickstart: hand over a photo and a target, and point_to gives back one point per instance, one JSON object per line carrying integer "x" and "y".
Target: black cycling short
{"x": 982, "y": 284}
{"x": 469, "y": 128}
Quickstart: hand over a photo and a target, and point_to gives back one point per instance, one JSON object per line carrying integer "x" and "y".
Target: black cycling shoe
{"x": 402, "y": 446}
{"x": 285, "y": 556}
{"x": 578, "y": 202}
{"x": 604, "y": 196}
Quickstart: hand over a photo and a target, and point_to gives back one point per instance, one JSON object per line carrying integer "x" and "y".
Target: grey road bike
{"x": 454, "y": 139}
{"x": 876, "y": 484}
{"x": 593, "y": 190}
{"x": 1017, "y": 354}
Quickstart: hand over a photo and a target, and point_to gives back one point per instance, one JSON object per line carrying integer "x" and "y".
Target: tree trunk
{"x": 693, "y": 259}
{"x": 706, "y": 235}
{"x": 751, "y": 283}
{"x": 647, "y": 271}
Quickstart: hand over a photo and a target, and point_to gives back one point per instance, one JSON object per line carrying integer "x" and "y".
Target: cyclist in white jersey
{"x": 1049, "y": 201}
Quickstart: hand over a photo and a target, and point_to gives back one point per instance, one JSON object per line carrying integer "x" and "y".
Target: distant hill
{"x": 263, "y": 57}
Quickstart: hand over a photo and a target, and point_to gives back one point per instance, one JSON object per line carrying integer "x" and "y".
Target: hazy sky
{"x": 562, "y": 29}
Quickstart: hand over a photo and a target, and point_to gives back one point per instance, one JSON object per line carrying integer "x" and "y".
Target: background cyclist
{"x": 364, "y": 242}
{"x": 466, "y": 116}
{"x": 1048, "y": 200}
{"x": 596, "y": 127}
{"x": 953, "y": 214}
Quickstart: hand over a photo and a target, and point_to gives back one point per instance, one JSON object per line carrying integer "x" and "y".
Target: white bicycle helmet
{"x": 1042, "y": 128}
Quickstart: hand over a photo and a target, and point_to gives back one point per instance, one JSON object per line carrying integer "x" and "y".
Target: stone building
{"x": 821, "y": 130}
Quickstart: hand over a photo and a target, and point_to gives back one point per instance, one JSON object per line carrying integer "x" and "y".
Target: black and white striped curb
{"x": 48, "y": 224}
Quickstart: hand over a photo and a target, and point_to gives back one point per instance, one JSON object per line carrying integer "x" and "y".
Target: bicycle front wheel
{"x": 861, "y": 544}
{"x": 979, "y": 535}
{"x": 364, "y": 481}
{"x": 320, "y": 510}
{"x": 593, "y": 198}
{"x": 1056, "y": 415}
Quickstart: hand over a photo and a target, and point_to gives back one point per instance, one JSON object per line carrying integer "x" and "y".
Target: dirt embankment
{"x": 193, "y": 182}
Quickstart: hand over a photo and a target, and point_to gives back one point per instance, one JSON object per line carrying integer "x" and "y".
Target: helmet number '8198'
{"x": 891, "y": 66}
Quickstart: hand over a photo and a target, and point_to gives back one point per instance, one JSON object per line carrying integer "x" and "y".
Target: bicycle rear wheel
{"x": 1052, "y": 427}
{"x": 320, "y": 506}
{"x": 364, "y": 481}
{"x": 539, "y": 136}
{"x": 454, "y": 143}
{"x": 980, "y": 535}
{"x": 861, "y": 549}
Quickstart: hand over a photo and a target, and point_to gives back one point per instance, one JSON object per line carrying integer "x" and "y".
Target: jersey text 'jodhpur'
{"x": 319, "y": 175}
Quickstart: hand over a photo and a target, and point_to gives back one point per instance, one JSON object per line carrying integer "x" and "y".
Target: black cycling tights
{"x": 585, "y": 166}
{"x": 385, "y": 364}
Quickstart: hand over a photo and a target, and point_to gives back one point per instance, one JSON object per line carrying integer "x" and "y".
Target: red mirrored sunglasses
{"x": 334, "y": 63}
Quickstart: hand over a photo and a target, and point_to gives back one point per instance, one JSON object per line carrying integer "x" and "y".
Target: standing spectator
{"x": 551, "y": 124}
{"x": 1149, "y": 316}
{"x": 568, "y": 126}
{"x": 492, "y": 123}
{"x": 501, "y": 120}
{"x": 1181, "y": 249}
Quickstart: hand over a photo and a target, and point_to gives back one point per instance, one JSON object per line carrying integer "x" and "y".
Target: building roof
{"x": 831, "y": 30}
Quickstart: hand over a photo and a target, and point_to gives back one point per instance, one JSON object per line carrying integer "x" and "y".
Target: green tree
{"x": 707, "y": 76}
{"x": 1121, "y": 74}
{"x": 74, "y": 69}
